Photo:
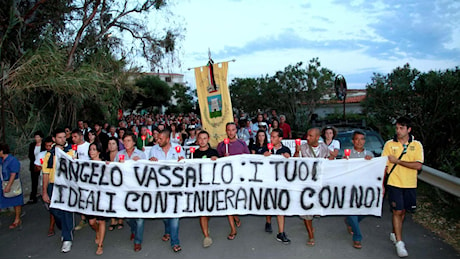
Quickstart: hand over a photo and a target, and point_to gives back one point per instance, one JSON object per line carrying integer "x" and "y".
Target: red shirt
{"x": 286, "y": 130}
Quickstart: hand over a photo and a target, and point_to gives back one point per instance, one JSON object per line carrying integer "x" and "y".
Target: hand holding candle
{"x": 74, "y": 148}
{"x": 226, "y": 142}
{"x": 297, "y": 143}
{"x": 143, "y": 140}
{"x": 347, "y": 153}
{"x": 192, "y": 151}
{"x": 270, "y": 146}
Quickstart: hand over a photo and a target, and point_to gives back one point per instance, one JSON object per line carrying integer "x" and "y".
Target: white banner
{"x": 240, "y": 185}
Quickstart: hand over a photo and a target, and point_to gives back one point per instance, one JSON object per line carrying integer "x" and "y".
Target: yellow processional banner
{"x": 214, "y": 100}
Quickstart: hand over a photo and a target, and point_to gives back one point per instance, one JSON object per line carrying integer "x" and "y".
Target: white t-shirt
{"x": 40, "y": 155}
{"x": 335, "y": 144}
{"x": 37, "y": 150}
{"x": 82, "y": 151}
{"x": 174, "y": 138}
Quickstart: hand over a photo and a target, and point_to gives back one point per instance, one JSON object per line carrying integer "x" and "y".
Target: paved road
{"x": 332, "y": 239}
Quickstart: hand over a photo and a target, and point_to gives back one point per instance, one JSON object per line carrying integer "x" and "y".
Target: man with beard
{"x": 164, "y": 151}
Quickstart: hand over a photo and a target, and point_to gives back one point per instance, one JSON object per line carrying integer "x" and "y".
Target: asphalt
{"x": 332, "y": 239}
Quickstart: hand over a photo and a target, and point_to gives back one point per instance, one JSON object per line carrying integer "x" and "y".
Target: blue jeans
{"x": 137, "y": 228}
{"x": 353, "y": 221}
{"x": 64, "y": 219}
{"x": 172, "y": 228}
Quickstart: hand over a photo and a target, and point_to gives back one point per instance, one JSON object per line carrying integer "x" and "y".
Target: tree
{"x": 287, "y": 91}
{"x": 395, "y": 91}
{"x": 184, "y": 99}
{"x": 431, "y": 100}
{"x": 246, "y": 95}
{"x": 150, "y": 92}
{"x": 298, "y": 87}
{"x": 58, "y": 56}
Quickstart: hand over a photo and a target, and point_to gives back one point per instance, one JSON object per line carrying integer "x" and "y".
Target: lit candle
{"x": 270, "y": 146}
{"x": 298, "y": 142}
{"x": 192, "y": 151}
{"x": 347, "y": 153}
{"x": 74, "y": 148}
{"x": 226, "y": 142}
{"x": 143, "y": 140}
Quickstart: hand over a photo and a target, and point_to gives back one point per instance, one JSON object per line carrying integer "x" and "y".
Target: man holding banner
{"x": 358, "y": 151}
{"x": 232, "y": 146}
{"x": 132, "y": 153}
{"x": 312, "y": 149}
{"x": 64, "y": 219}
{"x": 204, "y": 151}
{"x": 278, "y": 148}
{"x": 164, "y": 151}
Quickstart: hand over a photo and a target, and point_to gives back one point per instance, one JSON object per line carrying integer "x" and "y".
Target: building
{"x": 329, "y": 106}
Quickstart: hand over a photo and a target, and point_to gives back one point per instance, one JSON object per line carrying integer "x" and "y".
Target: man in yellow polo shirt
{"x": 64, "y": 219}
{"x": 402, "y": 182}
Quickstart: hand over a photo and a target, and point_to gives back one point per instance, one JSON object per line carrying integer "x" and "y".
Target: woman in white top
{"x": 176, "y": 136}
{"x": 328, "y": 134}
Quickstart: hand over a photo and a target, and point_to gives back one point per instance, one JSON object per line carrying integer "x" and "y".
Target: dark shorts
{"x": 402, "y": 198}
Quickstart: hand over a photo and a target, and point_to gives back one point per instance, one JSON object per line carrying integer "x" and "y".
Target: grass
{"x": 440, "y": 216}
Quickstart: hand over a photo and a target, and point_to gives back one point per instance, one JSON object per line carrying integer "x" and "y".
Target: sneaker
{"x": 281, "y": 237}
{"x": 401, "y": 249}
{"x": 393, "y": 238}
{"x": 207, "y": 242}
{"x": 268, "y": 227}
{"x": 81, "y": 225}
{"x": 66, "y": 246}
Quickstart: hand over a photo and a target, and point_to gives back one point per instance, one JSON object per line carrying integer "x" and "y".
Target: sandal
{"x": 99, "y": 250}
{"x": 166, "y": 237}
{"x": 357, "y": 244}
{"x": 176, "y": 248}
{"x": 120, "y": 226}
{"x": 311, "y": 242}
{"x": 238, "y": 223}
{"x": 51, "y": 233}
{"x": 231, "y": 236}
{"x": 15, "y": 225}
{"x": 112, "y": 227}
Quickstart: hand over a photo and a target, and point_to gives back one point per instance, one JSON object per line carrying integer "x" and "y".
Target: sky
{"x": 352, "y": 38}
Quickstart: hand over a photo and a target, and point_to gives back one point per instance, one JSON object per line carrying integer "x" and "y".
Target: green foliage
{"x": 151, "y": 92}
{"x": 244, "y": 92}
{"x": 65, "y": 60}
{"x": 431, "y": 99}
{"x": 287, "y": 91}
{"x": 184, "y": 99}
{"x": 62, "y": 96}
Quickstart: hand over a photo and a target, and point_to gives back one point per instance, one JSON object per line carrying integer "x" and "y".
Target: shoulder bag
{"x": 16, "y": 187}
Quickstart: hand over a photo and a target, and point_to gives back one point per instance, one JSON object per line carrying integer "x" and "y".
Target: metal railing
{"x": 441, "y": 180}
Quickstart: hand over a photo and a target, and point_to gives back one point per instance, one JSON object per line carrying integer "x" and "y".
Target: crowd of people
{"x": 128, "y": 141}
